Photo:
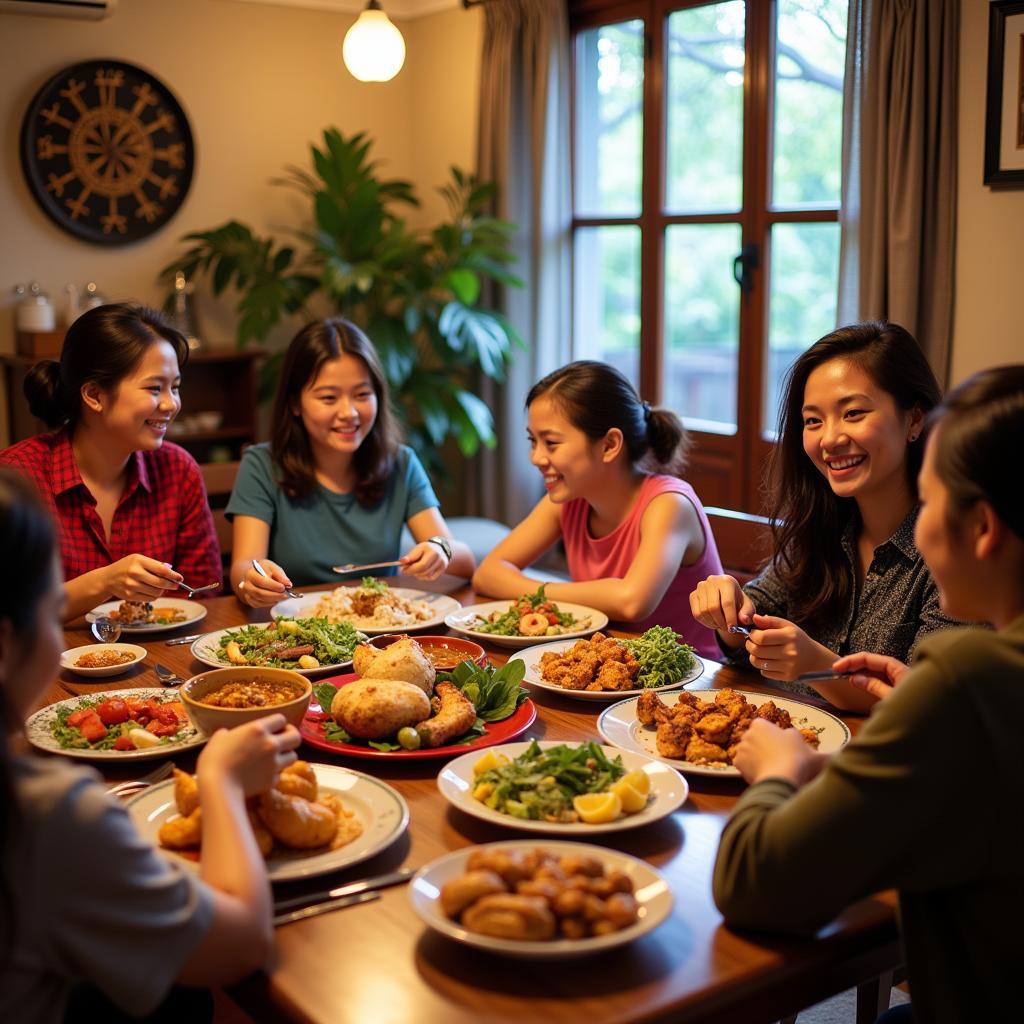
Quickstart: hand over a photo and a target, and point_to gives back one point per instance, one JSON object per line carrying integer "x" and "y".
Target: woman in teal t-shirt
{"x": 335, "y": 484}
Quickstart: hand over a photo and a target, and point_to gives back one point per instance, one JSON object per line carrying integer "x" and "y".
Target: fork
{"x": 131, "y": 785}
{"x": 266, "y": 575}
{"x": 192, "y": 591}
{"x": 167, "y": 677}
{"x": 352, "y": 567}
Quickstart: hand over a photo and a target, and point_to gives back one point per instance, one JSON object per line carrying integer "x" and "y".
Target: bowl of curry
{"x": 226, "y": 697}
{"x": 444, "y": 652}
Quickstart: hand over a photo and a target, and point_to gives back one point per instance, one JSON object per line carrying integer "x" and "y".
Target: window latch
{"x": 748, "y": 260}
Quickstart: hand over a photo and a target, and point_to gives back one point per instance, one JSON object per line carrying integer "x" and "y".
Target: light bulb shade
{"x": 374, "y": 50}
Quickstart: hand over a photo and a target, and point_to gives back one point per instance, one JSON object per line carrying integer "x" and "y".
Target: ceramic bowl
{"x": 459, "y": 648}
{"x": 210, "y": 718}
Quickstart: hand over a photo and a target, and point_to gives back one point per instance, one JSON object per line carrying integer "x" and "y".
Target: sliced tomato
{"x": 92, "y": 729}
{"x": 113, "y": 711}
{"x": 165, "y": 713}
{"x": 158, "y": 728}
{"x": 77, "y": 717}
{"x": 124, "y": 743}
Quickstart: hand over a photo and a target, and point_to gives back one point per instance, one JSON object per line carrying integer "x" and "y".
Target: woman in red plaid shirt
{"x": 131, "y": 510}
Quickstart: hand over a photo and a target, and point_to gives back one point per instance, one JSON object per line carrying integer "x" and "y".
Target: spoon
{"x": 106, "y": 630}
{"x": 266, "y": 575}
{"x": 192, "y": 591}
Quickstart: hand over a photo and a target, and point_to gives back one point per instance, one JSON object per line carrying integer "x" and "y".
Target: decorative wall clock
{"x": 107, "y": 151}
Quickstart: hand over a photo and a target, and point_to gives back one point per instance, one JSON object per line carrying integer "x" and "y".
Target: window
{"x": 706, "y": 176}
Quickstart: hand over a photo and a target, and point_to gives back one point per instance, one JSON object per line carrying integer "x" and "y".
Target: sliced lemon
{"x": 597, "y": 808}
{"x": 639, "y": 780}
{"x": 488, "y": 762}
{"x": 632, "y": 799}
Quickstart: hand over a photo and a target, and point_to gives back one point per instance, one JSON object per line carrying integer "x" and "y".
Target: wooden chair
{"x": 744, "y": 541}
{"x": 219, "y": 479}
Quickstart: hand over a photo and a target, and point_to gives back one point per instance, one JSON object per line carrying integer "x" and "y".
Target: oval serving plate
{"x": 205, "y": 650}
{"x": 668, "y": 793}
{"x": 650, "y": 888}
{"x": 312, "y": 732}
{"x": 532, "y": 656}
{"x": 440, "y": 604}
{"x": 194, "y": 612}
{"x": 39, "y": 729}
{"x": 619, "y": 725}
{"x": 461, "y": 621}
{"x": 381, "y": 809}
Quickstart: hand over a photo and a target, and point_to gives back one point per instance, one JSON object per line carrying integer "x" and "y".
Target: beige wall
{"x": 988, "y": 326}
{"x": 258, "y": 84}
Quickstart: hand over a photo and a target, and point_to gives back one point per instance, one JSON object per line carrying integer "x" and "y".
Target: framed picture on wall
{"x": 1004, "y": 109}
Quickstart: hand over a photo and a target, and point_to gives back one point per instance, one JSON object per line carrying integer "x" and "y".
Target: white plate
{"x": 205, "y": 650}
{"x": 531, "y": 659}
{"x": 649, "y": 886}
{"x": 194, "y": 611}
{"x": 620, "y": 727}
{"x": 38, "y": 729}
{"x": 381, "y": 810}
{"x": 440, "y": 604}
{"x": 668, "y": 792}
{"x": 69, "y": 659}
{"x": 459, "y": 621}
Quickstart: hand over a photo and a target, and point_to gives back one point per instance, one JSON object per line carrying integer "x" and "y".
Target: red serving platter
{"x": 312, "y": 732}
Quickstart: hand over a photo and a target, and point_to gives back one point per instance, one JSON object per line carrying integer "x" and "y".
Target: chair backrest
{"x": 744, "y": 541}
{"x": 219, "y": 479}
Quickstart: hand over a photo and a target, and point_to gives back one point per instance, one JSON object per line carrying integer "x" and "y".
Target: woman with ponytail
{"x": 131, "y": 510}
{"x": 636, "y": 536}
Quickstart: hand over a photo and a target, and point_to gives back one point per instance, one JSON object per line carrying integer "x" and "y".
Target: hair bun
{"x": 44, "y": 392}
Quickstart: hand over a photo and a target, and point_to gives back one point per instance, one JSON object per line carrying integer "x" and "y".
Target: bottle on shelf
{"x": 34, "y": 311}
{"x": 92, "y": 297}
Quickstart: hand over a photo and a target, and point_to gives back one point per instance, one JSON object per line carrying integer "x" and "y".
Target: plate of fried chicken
{"x": 697, "y": 731}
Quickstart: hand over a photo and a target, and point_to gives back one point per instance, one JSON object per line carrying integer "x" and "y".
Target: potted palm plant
{"x": 417, "y": 294}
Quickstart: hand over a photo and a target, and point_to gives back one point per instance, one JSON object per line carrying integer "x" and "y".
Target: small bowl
{"x": 69, "y": 659}
{"x": 461, "y": 649}
{"x": 210, "y": 718}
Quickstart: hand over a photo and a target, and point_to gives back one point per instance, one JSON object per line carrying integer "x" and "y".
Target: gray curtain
{"x": 524, "y": 146}
{"x": 898, "y": 215}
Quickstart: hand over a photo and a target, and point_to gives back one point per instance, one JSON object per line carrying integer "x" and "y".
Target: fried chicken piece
{"x": 403, "y": 660}
{"x": 456, "y": 716}
{"x": 298, "y": 779}
{"x": 295, "y": 822}
{"x": 686, "y": 699}
{"x": 771, "y": 712}
{"x": 699, "y": 751}
{"x": 613, "y": 675}
{"x": 685, "y": 713}
{"x": 511, "y": 916}
{"x": 811, "y": 737}
{"x": 182, "y": 833}
{"x": 648, "y": 705}
{"x": 715, "y": 727}
{"x": 673, "y": 738}
{"x": 462, "y": 892}
{"x": 511, "y": 866}
{"x": 186, "y": 792}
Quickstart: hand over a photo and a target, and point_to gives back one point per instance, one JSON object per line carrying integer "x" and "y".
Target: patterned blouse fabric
{"x": 897, "y": 604}
{"x": 163, "y": 512}
{"x": 610, "y": 556}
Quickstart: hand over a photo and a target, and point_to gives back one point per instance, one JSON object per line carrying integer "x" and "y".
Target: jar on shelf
{"x": 34, "y": 310}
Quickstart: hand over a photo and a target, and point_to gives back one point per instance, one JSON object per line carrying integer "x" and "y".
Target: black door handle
{"x": 748, "y": 260}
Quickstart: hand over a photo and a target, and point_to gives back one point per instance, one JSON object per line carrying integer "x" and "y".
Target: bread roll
{"x": 371, "y": 709}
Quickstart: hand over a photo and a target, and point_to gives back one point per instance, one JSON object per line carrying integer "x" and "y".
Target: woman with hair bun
{"x": 636, "y": 536}
{"x": 131, "y": 510}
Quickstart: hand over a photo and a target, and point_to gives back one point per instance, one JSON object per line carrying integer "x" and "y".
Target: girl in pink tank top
{"x": 635, "y": 534}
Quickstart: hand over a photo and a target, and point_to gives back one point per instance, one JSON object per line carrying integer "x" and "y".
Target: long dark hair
{"x": 27, "y": 545}
{"x": 807, "y": 518}
{"x": 979, "y": 422}
{"x": 374, "y": 460}
{"x": 595, "y": 397}
{"x": 101, "y": 347}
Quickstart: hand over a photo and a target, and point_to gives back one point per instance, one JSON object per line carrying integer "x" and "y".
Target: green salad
{"x": 531, "y": 615}
{"x": 540, "y": 785}
{"x": 290, "y": 643}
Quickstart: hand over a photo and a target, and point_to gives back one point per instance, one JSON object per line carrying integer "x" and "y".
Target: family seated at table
{"x": 919, "y": 546}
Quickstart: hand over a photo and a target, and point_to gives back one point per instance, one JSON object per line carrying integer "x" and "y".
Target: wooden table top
{"x": 378, "y": 962}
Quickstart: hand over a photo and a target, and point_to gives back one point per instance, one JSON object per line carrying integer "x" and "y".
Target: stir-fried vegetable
{"x": 540, "y": 785}
{"x": 663, "y": 659}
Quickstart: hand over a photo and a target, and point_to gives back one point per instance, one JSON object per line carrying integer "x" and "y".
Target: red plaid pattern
{"x": 163, "y": 512}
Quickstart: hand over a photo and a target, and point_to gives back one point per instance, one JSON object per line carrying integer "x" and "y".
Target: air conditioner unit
{"x": 92, "y": 9}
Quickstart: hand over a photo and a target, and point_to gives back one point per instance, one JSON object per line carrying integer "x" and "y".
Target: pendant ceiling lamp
{"x": 373, "y": 50}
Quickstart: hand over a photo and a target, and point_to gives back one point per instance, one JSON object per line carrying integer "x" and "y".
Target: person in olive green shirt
{"x": 927, "y": 799}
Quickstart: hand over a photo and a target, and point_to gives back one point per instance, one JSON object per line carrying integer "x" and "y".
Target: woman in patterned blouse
{"x": 128, "y": 506}
{"x": 844, "y": 485}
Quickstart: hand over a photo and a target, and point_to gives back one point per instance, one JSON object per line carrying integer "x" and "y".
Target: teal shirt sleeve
{"x": 420, "y": 493}
{"x": 255, "y": 490}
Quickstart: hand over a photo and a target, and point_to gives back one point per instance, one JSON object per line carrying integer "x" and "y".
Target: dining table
{"x": 378, "y": 962}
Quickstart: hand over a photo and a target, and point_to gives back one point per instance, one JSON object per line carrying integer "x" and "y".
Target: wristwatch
{"x": 443, "y": 543}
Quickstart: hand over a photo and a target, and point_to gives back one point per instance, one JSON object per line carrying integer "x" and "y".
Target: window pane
{"x": 810, "y": 57}
{"x": 702, "y": 314}
{"x": 609, "y": 119}
{"x": 802, "y": 301}
{"x": 704, "y": 126}
{"x": 607, "y": 297}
